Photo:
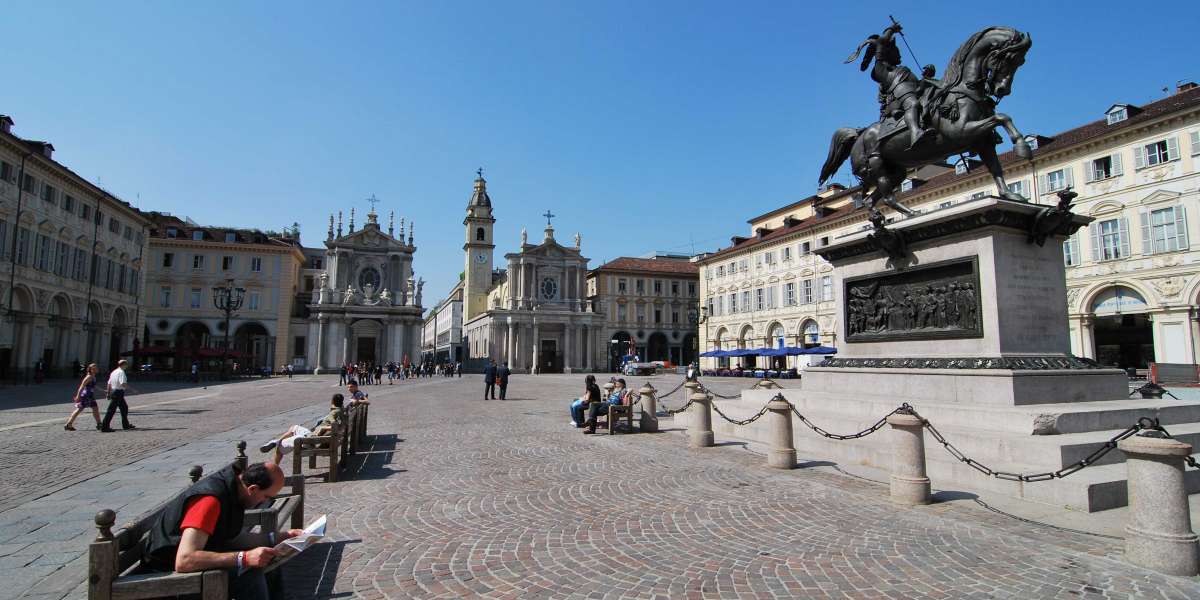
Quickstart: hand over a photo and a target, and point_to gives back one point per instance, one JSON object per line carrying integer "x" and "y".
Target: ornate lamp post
{"x": 227, "y": 299}
{"x": 696, "y": 317}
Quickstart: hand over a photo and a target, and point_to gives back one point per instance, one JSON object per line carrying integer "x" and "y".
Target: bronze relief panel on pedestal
{"x": 936, "y": 301}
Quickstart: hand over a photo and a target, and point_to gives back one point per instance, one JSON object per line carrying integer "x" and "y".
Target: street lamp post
{"x": 696, "y": 318}
{"x": 227, "y": 299}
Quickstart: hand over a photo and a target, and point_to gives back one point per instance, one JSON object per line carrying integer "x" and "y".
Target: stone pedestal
{"x": 974, "y": 312}
{"x": 909, "y": 484}
{"x": 782, "y": 454}
{"x": 1159, "y": 533}
{"x": 649, "y": 418}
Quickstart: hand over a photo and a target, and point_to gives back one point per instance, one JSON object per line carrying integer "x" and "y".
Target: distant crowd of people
{"x": 373, "y": 374}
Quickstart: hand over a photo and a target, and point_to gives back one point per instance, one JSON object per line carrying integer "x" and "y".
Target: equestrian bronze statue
{"x": 925, "y": 120}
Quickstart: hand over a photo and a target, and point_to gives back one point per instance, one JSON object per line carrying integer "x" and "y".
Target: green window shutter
{"x": 1139, "y": 157}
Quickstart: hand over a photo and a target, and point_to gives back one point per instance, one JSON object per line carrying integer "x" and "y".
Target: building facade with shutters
{"x": 70, "y": 264}
{"x": 186, "y": 262}
{"x": 1133, "y": 275}
{"x": 648, "y": 306}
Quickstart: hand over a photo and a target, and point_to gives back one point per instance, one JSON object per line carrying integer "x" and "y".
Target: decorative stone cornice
{"x": 1016, "y": 363}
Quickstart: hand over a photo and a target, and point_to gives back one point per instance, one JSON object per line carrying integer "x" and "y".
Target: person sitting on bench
{"x": 201, "y": 529}
{"x": 357, "y": 396}
{"x": 595, "y": 409}
{"x": 321, "y": 428}
{"x": 591, "y": 394}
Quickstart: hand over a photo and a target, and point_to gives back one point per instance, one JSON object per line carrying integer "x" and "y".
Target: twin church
{"x": 534, "y": 315}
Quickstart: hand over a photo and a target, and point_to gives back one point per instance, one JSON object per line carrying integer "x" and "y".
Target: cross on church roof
{"x": 373, "y": 201}
{"x": 480, "y": 172}
{"x": 549, "y": 215}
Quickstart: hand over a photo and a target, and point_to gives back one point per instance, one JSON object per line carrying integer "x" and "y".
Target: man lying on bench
{"x": 322, "y": 428}
{"x": 201, "y": 529}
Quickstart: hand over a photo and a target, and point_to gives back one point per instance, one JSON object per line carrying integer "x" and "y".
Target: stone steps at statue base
{"x": 1094, "y": 488}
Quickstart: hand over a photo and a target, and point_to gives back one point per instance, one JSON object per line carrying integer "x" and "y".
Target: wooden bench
{"x": 334, "y": 446}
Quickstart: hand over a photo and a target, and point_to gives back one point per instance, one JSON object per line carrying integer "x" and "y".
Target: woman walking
{"x": 85, "y": 397}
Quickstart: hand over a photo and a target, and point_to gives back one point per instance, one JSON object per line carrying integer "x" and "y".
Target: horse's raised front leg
{"x": 1020, "y": 146}
{"x": 987, "y": 153}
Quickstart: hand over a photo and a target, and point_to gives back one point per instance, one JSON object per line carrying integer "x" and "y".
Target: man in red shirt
{"x": 201, "y": 529}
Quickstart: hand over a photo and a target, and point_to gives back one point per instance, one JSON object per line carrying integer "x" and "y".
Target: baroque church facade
{"x": 534, "y": 315}
{"x": 365, "y": 305}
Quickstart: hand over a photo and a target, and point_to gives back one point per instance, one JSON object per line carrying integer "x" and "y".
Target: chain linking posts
{"x": 782, "y": 454}
{"x": 1159, "y": 533}
{"x": 700, "y": 433}
{"x": 649, "y": 420}
{"x": 909, "y": 483}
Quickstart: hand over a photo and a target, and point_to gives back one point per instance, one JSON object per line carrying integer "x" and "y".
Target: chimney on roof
{"x": 6, "y": 124}
{"x": 1181, "y": 86}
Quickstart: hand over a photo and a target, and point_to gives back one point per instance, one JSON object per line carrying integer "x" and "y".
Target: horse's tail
{"x": 839, "y": 151}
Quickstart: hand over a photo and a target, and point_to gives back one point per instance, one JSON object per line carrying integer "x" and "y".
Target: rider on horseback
{"x": 899, "y": 89}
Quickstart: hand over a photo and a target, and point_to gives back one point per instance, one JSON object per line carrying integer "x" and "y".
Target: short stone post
{"x": 241, "y": 460}
{"x": 782, "y": 454}
{"x": 700, "y": 433}
{"x": 1159, "y": 533}
{"x": 909, "y": 484}
{"x": 649, "y": 420}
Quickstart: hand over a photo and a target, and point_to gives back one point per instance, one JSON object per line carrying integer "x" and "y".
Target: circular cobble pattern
{"x": 464, "y": 498}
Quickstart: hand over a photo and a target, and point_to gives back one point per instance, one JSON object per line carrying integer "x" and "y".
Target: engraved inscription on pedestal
{"x": 937, "y": 301}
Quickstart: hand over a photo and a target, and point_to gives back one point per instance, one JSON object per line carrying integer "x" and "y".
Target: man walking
{"x": 118, "y": 383}
{"x": 489, "y": 381}
{"x": 502, "y": 376}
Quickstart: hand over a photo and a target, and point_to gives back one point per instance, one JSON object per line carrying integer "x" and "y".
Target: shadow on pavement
{"x": 374, "y": 462}
{"x": 314, "y": 573}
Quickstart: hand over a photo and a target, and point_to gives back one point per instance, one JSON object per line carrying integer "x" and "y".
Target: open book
{"x": 285, "y": 550}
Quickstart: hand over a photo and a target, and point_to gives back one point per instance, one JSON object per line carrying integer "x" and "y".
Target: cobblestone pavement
{"x": 462, "y": 498}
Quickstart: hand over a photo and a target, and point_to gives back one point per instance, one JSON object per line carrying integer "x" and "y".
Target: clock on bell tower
{"x": 478, "y": 248}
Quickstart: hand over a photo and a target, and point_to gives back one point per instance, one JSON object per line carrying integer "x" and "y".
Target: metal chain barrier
{"x": 903, "y": 408}
{"x": 675, "y": 411}
{"x": 1141, "y": 424}
{"x": 712, "y": 393}
{"x": 677, "y": 388}
{"x": 742, "y": 422}
{"x": 1191, "y": 462}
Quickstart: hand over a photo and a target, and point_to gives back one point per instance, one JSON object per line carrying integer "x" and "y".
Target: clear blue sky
{"x": 643, "y": 125}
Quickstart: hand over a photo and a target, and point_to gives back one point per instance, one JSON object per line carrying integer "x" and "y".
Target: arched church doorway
{"x": 1123, "y": 332}
{"x": 367, "y": 338}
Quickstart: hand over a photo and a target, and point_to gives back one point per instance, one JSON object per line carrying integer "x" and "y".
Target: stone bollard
{"x": 1159, "y": 533}
{"x": 909, "y": 484}
{"x": 782, "y": 454}
{"x": 241, "y": 460}
{"x": 649, "y": 420}
{"x": 700, "y": 433}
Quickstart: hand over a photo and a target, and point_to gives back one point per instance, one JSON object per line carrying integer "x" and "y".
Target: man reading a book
{"x": 201, "y": 529}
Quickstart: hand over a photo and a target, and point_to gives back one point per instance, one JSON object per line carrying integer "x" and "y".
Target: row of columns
{"x": 1159, "y": 533}
{"x": 70, "y": 340}
{"x": 512, "y": 340}
{"x": 523, "y": 289}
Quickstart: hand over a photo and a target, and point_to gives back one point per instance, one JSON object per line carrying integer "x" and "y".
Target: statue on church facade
{"x": 348, "y": 297}
{"x": 524, "y": 236}
{"x": 956, "y": 115}
{"x": 578, "y": 240}
{"x": 385, "y": 297}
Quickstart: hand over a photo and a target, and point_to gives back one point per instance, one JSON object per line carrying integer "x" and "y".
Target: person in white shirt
{"x": 118, "y": 383}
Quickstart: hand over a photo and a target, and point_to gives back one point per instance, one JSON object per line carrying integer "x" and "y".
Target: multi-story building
{"x": 649, "y": 307}
{"x": 441, "y": 340}
{"x": 1133, "y": 278}
{"x": 188, "y": 261}
{"x": 70, "y": 264}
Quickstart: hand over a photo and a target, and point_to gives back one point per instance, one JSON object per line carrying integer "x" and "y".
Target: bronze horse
{"x": 961, "y": 109}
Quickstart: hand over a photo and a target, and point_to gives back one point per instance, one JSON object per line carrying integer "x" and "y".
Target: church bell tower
{"x": 478, "y": 250}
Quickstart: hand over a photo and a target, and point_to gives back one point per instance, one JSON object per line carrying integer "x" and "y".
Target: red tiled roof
{"x": 672, "y": 266}
{"x": 1171, "y": 104}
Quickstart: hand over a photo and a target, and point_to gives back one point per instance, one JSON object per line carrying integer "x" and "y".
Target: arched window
{"x": 812, "y": 334}
{"x": 479, "y": 234}
{"x": 777, "y": 336}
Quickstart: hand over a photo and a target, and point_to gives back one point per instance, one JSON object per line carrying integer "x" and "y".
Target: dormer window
{"x": 172, "y": 232}
{"x": 1116, "y": 114}
{"x": 230, "y": 237}
{"x": 906, "y": 185}
{"x": 198, "y": 236}
{"x": 1032, "y": 140}
{"x": 960, "y": 167}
